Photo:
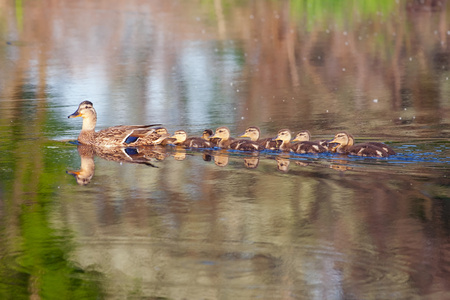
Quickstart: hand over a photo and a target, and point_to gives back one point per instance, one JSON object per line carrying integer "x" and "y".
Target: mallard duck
{"x": 304, "y": 145}
{"x": 124, "y": 135}
{"x": 227, "y": 142}
{"x": 181, "y": 139}
{"x": 207, "y": 135}
{"x": 346, "y": 145}
{"x": 254, "y": 134}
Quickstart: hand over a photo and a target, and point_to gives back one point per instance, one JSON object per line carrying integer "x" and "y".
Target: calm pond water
{"x": 168, "y": 223}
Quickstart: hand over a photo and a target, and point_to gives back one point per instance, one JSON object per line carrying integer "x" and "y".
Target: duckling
{"x": 345, "y": 146}
{"x": 223, "y": 134}
{"x": 124, "y": 135}
{"x": 181, "y": 139}
{"x": 228, "y": 142}
{"x": 254, "y": 134}
{"x": 160, "y": 136}
{"x": 207, "y": 135}
{"x": 284, "y": 136}
{"x": 304, "y": 145}
{"x": 305, "y": 136}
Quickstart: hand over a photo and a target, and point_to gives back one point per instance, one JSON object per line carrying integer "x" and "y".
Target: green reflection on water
{"x": 35, "y": 257}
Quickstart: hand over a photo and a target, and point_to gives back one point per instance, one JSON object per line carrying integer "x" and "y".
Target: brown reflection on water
{"x": 191, "y": 228}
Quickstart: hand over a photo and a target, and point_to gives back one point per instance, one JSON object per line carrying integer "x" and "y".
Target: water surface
{"x": 187, "y": 224}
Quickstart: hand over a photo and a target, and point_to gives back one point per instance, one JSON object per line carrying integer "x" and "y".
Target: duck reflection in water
{"x": 283, "y": 163}
{"x": 221, "y": 158}
{"x": 128, "y": 155}
{"x": 251, "y": 162}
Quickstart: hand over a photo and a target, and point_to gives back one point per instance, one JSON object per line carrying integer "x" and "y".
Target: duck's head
{"x": 85, "y": 110}
{"x": 284, "y": 135}
{"x": 343, "y": 139}
{"x": 207, "y": 134}
{"x": 180, "y": 136}
{"x": 222, "y": 133}
{"x": 302, "y": 136}
{"x": 253, "y": 133}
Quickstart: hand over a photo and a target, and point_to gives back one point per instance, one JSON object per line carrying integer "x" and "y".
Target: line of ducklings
{"x": 144, "y": 135}
{"x": 342, "y": 143}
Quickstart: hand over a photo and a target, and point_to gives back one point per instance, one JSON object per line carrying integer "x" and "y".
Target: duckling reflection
{"x": 283, "y": 163}
{"x": 251, "y": 162}
{"x": 221, "y": 158}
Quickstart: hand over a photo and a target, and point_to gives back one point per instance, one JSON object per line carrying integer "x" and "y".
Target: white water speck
{"x": 327, "y": 110}
{"x": 345, "y": 33}
{"x": 375, "y": 100}
{"x": 343, "y": 69}
{"x": 237, "y": 91}
{"x": 242, "y": 118}
{"x": 448, "y": 32}
{"x": 410, "y": 59}
{"x": 404, "y": 108}
{"x": 399, "y": 118}
{"x": 346, "y": 43}
{"x": 231, "y": 84}
{"x": 234, "y": 108}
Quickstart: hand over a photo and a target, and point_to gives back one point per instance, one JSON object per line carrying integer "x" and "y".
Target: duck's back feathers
{"x": 307, "y": 147}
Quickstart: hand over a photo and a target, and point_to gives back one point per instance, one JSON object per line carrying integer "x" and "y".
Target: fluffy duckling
{"x": 304, "y": 145}
{"x": 228, "y": 142}
{"x": 207, "y": 135}
{"x": 305, "y": 136}
{"x": 254, "y": 134}
{"x": 124, "y": 135}
{"x": 181, "y": 139}
{"x": 345, "y": 145}
{"x": 284, "y": 136}
{"x": 160, "y": 136}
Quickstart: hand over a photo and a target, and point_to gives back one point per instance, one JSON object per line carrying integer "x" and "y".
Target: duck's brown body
{"x": 117, "y": 136}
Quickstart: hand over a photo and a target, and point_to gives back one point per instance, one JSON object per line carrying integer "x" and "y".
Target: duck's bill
{"x": 75, "y": 115}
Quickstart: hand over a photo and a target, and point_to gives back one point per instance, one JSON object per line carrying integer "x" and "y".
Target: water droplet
{"x": 237, "y": 91}
{"x": 343, "y": 69}
{"x": 375, "y": 100}
{"x": 410, "y": 59}
{"x": 242, "y": 118}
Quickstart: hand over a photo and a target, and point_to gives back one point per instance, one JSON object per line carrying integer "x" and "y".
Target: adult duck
{"x": 117, "y": 136}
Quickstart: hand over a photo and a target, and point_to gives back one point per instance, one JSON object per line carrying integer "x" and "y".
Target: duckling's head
{"x": 180, "y": 136}
{"x": 162, "y": 131}
{"x": 207, "y": 134}
{"x": 253, "y": 133}
{"x": 222, "y": 133}
{"x": 284, "y": 135}
{"x": 302, "y": 136}
{"x": 343, "y": 138}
